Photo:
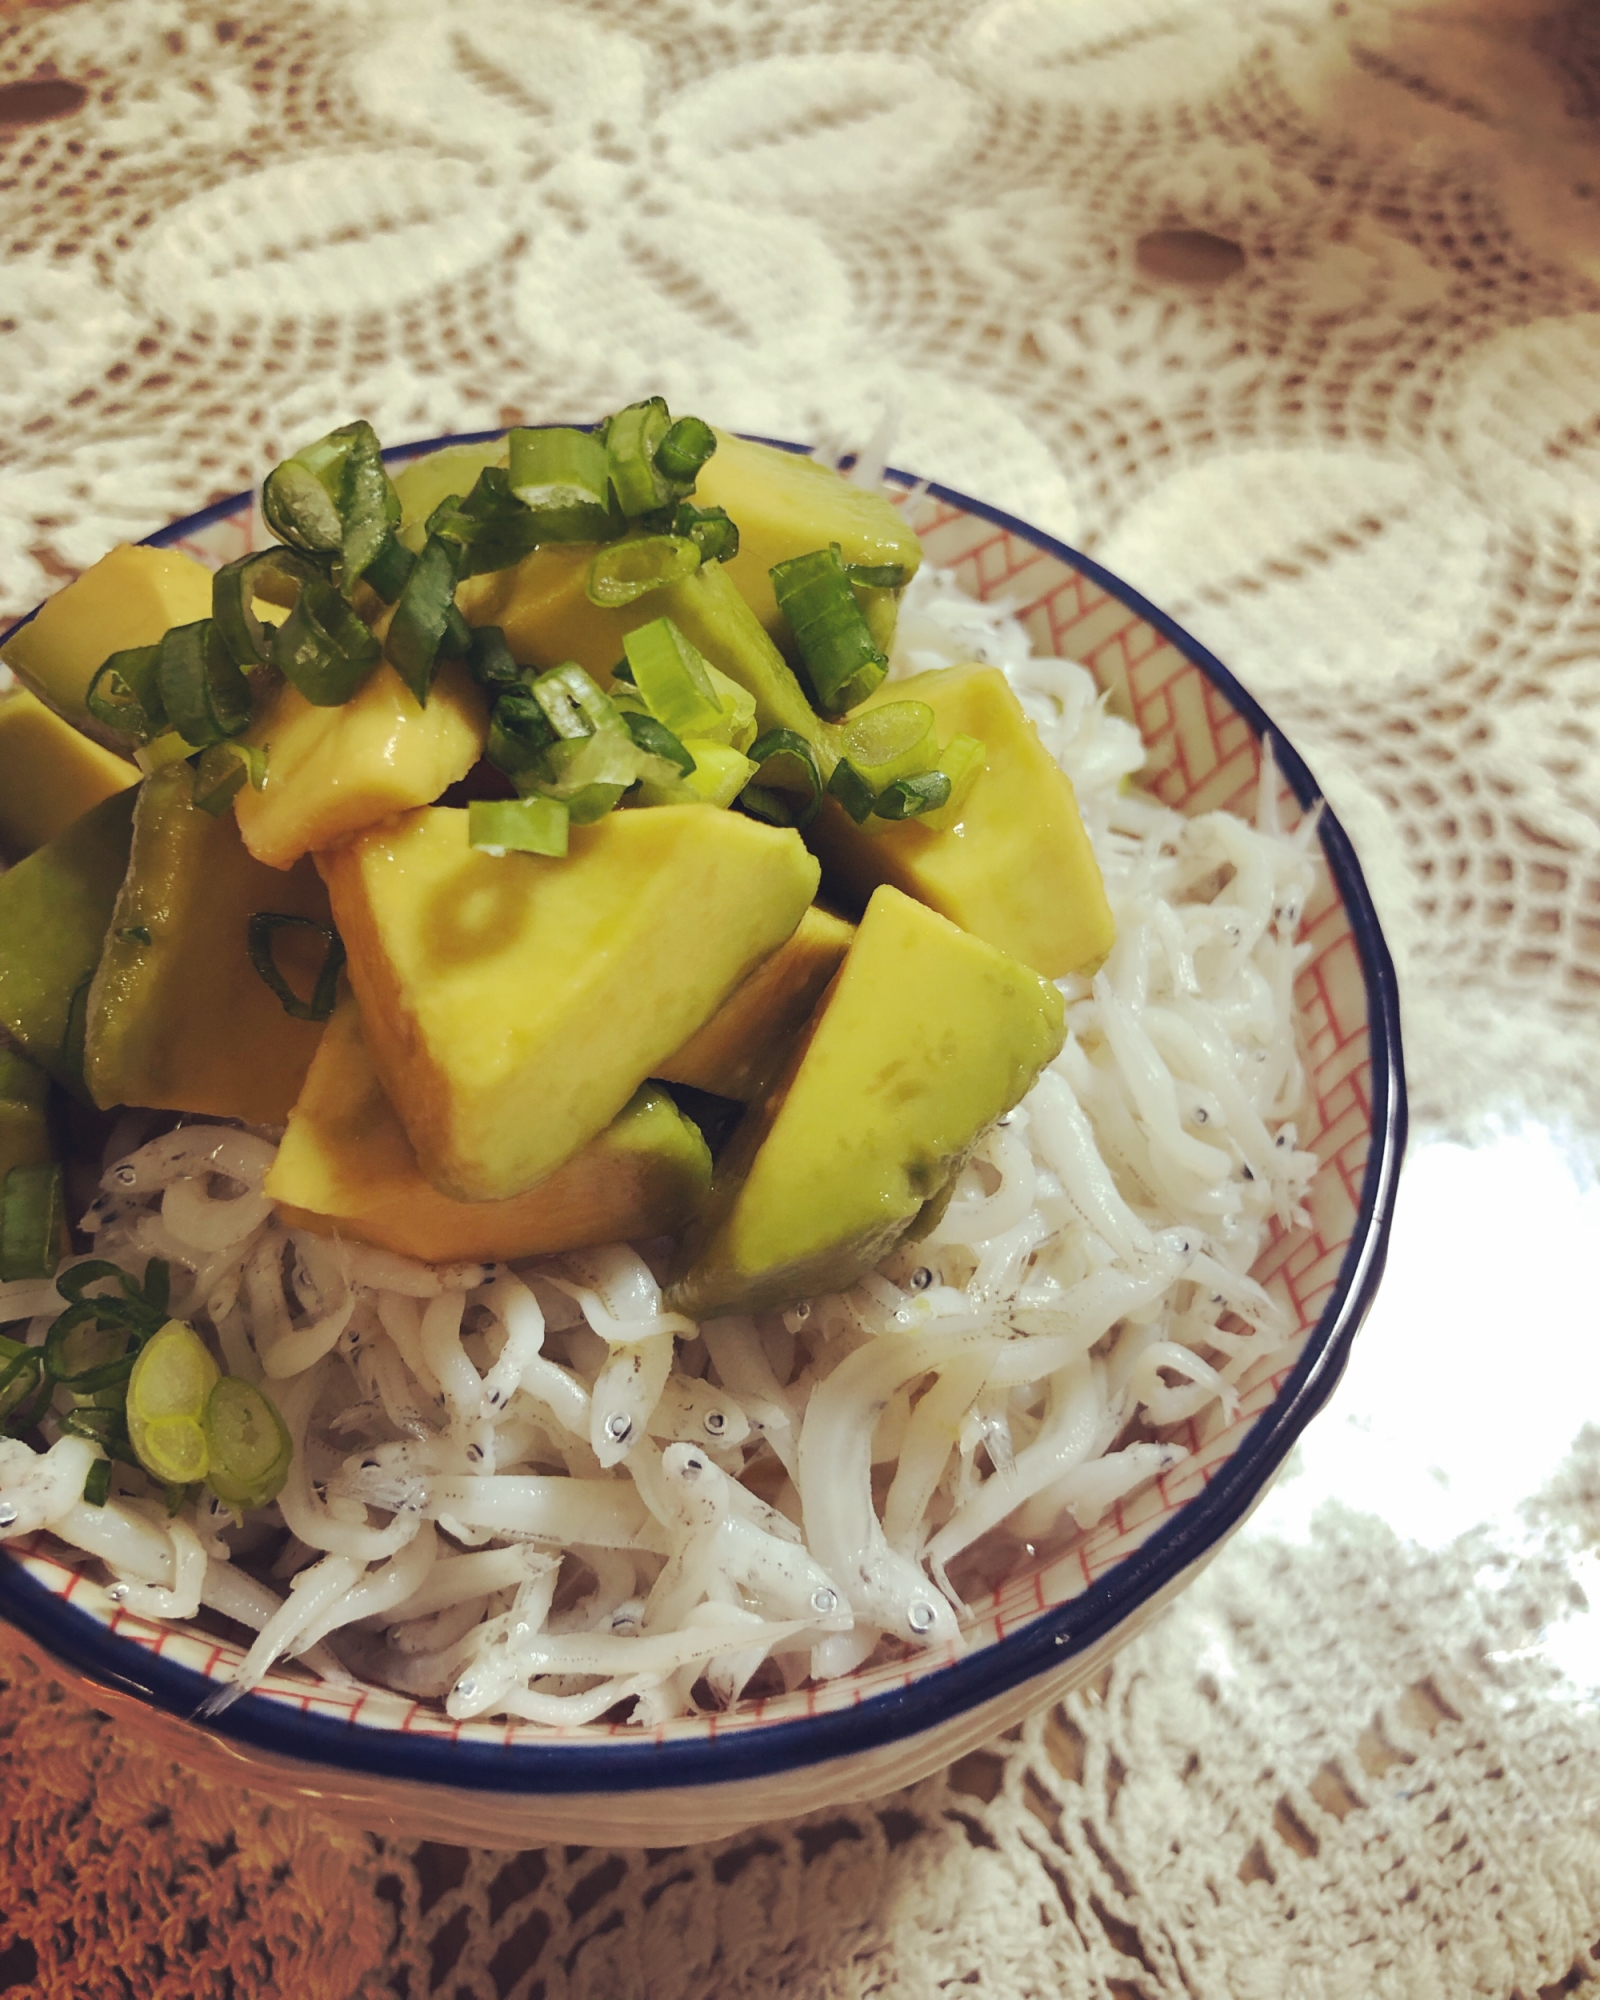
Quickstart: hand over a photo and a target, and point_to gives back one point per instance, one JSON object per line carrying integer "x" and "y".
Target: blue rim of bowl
{"x": 1044, "y": 1643}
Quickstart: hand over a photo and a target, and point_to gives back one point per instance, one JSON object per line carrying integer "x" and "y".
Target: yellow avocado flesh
{"x": 1017, "y": 869}
{"x": 925, "y": 1037}
{"x": 513, "y": 1005}
{"x": 346, "y": 1167}
{"x": 55, "y": 908}
{"x": 178, "y": 1018}
{"x": 129, "y": 598}
{"x": 787, "y": 505}
{"x": 745, "y": 1043}
{"x": 333, "y": 771}
{"x": 50, "y": 774}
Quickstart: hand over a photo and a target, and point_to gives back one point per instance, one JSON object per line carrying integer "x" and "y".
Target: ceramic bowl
{"x": 388, "y": 1762}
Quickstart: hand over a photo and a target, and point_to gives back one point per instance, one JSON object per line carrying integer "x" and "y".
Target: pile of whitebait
{"x": 532, "y": 1492}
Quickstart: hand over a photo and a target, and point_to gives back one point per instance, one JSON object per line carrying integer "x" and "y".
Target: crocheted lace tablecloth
{"x": 1289, "y": 312}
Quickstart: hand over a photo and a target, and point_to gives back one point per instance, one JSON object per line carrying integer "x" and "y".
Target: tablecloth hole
{"x": 1188, "y": 256}
{"x": 37, "y": 100}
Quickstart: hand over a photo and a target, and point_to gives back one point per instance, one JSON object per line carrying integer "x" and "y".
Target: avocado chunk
{"x": 50, "y": 774}
{"x": 1017, "y": 868}
{"x": 24, "y": 1113}
{"x": 925, "y": 1037}
{"x": 178, "y": 1017}
{"x": 746, "y": 1042}
{"x": 346, "y": 1166}
{"x": 541, "y": 607}
{"x": 332, "y": 771}
{"x": 513, "y": 1005}
{"x": 129, "y": 598}
{"x": 55, "y": 908}
{"x": 786, "y": 505}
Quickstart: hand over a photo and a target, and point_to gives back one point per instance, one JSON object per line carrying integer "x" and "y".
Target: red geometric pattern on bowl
{"x": 1202, "y": 756}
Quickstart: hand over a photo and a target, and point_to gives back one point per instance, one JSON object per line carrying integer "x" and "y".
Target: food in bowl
{"x": 1002, "y": 1154}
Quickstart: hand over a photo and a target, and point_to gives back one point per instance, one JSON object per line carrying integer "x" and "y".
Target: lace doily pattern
{"x": 1291, "y": 314}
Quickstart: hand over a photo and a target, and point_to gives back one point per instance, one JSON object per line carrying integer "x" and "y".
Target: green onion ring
{"x": 624, "y": 571}
{"x": 907, "y": 797}
{"x": 534, "y": 825}
{"x": 684, "y": 449}
{"x": 657, "y": 740}
{"x": 769, "y": 803}
{"x": 262, "y": 929}
{"x": 323, "y": 648}
{"x": 846, "y": 784}
{"x": 278, "y": 576}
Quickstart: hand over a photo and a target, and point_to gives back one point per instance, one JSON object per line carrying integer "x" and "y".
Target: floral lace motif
{"x": 1288, "y": 312}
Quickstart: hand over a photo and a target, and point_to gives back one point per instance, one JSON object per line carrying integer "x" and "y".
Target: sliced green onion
{"x": 125, "y": 694}
{"x": 894, "y": 740}
{"x": 248, "y": 1447}
{"x": 738, "y": 722}
{"x": 685, "y": 448}
{"x": 561, "y": 736}
{"x": 593, "y": 801}
{"x": 632, "y": 437}
{"x": 422, "y": 615}
{"x": 491, "y": 527}
{"x": 489, "y": 660}
{"x": 103, "y": 1420}
{"x": 876, "y": 576}
{"x": 206, "y": 697}
{"x": 389, "y": 568}
{"x": 110, "y": 1358}
{"x": 672, "y": 678}
{"x": 846, "y": 784}
{"x": 574, "y": 705}
{"x": 300, "y": 510}
{"x": 716, "y": 537}
{"x": 323, "y": 648}
{"x": 188, "y": 684}
{"x": 31, "y": 1221}
{"x": 519, "y": 731}
{"x": 561, "y": 476}
{"x": 780, "y": 754}
{"x": 607, "y": 758}
{"x": 276, "y": 575}
{"x": 656, "y": 740}
{"x": 623, "y": 672}
{"x": 334, "y": 497}
{"x": 260, "y": 935}
{"x": 595, "y": 759}
{"x": 840, "y": 661}
{"x": 906, "y": 798}
{"x": 139, "y": 1301}
{"x": 624, "y": 571}
{"x": 533, "y": 825}
{"x": 168, "y": 1394}
{"x": 25, "y": 1389}
{"x": 962, "y": 761}
{"x": 97, "y": 1483}
{"x": 119, "y": 1321}
{"x": 220, "y": 774}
